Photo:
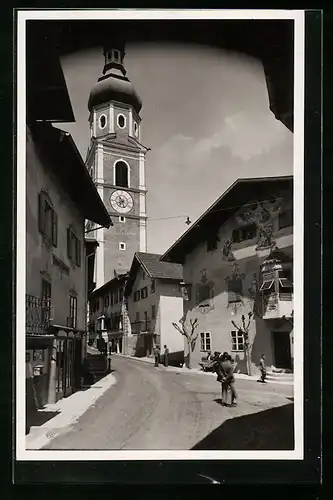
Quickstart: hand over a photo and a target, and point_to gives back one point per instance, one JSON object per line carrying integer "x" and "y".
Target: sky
{"x": 206, "y": 118}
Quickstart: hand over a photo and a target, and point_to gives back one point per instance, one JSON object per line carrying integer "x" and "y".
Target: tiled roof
{"x": 160, "y": 270}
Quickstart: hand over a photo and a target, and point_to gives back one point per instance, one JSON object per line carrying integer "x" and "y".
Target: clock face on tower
{"x": 121, "y": 201}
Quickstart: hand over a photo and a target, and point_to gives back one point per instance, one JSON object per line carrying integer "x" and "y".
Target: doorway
{"x": 282, "y": 352}
{"x": 65, "y": 368}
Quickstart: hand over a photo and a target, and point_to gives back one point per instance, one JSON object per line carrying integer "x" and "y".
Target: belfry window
{"x": 116, "y": 55}
{"x": 102, "y": 121}
{"x": 121, "y": 120}
{"x": 121, "y": 174}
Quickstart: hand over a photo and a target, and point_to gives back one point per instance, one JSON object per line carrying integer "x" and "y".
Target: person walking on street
{"x": 157, "y": 355}
{"x": 262, "y": 368}
{"x": 228, "y": 380}
{"x": 166, "y": 356}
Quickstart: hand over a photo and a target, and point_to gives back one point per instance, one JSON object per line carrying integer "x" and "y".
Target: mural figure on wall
{"x": 254, "y": 296}
{"x": 203, "y": 273}
{"x": 205, "y": 293}
{"x": 227, "y": 251}
{"x": 235, "y": 289}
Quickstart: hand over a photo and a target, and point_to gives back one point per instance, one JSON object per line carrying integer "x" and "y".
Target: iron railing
{"x": 38, "y": 314}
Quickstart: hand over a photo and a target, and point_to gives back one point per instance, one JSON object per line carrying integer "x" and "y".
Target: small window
{"x": 109, "y": 56}
{"x": 72, "y": 311}
{"x": 137, "y": 316}
{"x": 111, "y": 299}
{"x": 244, "y": 233}
{"x": 137, "y": 295}
{"x": 102, "y": 121}
{"x": 235, "y": 291}
{"x": 144, "y": 292}
{"x": 122, "y": 218}
{"x": 47, "y": 219}
{"x": 121, "y": 176}
{"x": 205, "y": 292}
{"x": 153, "y": 312}
{"x": 122, "y": 246}
{"x": 136, "y": 129}
{"x": 121, "y": 120}
{"x": 205, "y": 342}
{"x": 286, "y": 219}
{"x": 73, "y": 247}
{"x": 116, "y": 55}
{"x": 152, "y": 286}
{"x": 106, "y": 301}
{"x": 237, "y": 341}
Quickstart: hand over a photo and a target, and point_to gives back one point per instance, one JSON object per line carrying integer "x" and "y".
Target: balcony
{"x": 278, "y": 305}
{"x": 142, "y": 326}
{"x": 38, "y": 315}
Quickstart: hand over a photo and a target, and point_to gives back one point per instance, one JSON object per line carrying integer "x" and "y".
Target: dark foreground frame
{"x": 306, "y": 472}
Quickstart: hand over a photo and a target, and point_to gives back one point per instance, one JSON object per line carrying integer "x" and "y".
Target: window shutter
{"x": 69, "y": 242}
{"x": 78, "y": 252}
{"x": 41, "y": 212}
{"x": 54, "y": 228}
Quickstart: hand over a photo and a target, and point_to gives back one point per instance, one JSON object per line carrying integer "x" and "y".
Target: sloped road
{"x": 155, "y": 408}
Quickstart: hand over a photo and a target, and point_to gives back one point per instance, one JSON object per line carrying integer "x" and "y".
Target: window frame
{"x": 46, "y": 206}
{"x": 120, "y": 115}
{"x": 120, "y": 247}
{"x": 118, "y": 177}
{"x": 237, "y": 294}
{"x": 74, "y": 247}
{"x": 204, "y": 337}
{"x": 73, "y": 311}
{"x": 153, "y": 311}
{"x": 144, "y": 292}
{"x": 234, "y": 345}
{"x": 103, "y": 115}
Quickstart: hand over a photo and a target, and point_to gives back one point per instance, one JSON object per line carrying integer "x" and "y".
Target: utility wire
{"x": 221, "y": 209}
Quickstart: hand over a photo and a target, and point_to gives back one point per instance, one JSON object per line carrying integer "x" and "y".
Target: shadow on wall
{"x": 271, "y": 429}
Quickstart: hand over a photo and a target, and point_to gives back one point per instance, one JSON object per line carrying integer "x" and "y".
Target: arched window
{"x": 121, "y": 174}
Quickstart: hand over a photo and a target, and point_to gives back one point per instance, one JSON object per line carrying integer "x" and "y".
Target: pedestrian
{"x": 157, "y": 355}
{"x": 166, "y": 356}
{"x": 228, "y": 380}
{"x": 262, "y": 368}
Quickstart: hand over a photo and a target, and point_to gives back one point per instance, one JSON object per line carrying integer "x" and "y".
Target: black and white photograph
{"x": 160, "y": 164}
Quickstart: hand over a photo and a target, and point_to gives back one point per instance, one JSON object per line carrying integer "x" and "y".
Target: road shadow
{"x": 218, "y": 401}
{"x": 271, "y": 429}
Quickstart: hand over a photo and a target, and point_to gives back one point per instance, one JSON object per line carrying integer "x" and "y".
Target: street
{"x": 156, "y": 408}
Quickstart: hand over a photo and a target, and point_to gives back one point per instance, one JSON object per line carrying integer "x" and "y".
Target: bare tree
{"x": 188, "y": 331}
{"x": 244, "y": 329}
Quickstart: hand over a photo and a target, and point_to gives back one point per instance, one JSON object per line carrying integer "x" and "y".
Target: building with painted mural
{"x": 60, "y": 195}
{"x": 154, "y": 300}
{"x": 238, "y": 258}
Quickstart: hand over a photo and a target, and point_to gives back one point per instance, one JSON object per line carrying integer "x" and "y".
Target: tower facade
{"x": 116, "y": 163}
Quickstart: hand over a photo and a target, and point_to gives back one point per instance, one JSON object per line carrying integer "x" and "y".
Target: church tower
{"x": 116, "y": 163}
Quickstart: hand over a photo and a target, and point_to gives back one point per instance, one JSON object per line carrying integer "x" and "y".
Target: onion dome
{"x": 114, "y": 85}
